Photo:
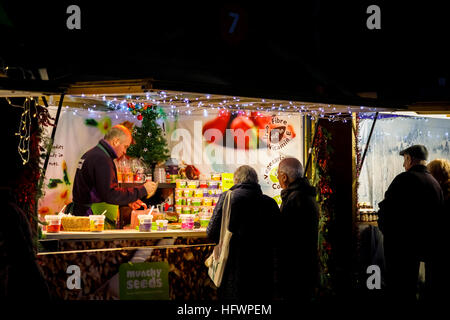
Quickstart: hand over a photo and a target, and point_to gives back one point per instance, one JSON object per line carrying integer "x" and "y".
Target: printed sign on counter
{"x": 144, "y": 281}
{"x": 227, "y": 181}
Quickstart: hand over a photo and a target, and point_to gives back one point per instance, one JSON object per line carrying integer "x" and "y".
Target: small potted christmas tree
{"x": 149, "y": 146}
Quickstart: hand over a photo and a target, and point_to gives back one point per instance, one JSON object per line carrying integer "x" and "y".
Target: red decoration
{"x": 139, "y": 117}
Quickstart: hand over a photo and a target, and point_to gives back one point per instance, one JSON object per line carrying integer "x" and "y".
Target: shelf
{"x": 160, "y": 185}
{"x": 373, "y": 223}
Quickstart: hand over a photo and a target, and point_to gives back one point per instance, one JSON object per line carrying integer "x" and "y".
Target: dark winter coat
{"x": 20, "y": 275}
{"x": 249, "y": 273}
{"x": 298, "y": 246}
{"x": 96, "y": 181}
{"x": 411, "y": 210}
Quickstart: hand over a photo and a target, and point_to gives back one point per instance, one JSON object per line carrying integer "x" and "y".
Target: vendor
{"x": 95, "y": 187}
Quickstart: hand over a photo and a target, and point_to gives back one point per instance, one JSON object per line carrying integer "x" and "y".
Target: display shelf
{"x": 373, "y": 223}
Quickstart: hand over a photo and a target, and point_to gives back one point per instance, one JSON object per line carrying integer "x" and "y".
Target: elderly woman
{"x": 249, "y": 272}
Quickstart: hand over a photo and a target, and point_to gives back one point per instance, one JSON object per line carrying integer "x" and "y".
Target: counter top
{"x": 126, "y": 234}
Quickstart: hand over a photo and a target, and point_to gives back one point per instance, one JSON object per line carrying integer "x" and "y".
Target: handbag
{"x": 217, "y": 261}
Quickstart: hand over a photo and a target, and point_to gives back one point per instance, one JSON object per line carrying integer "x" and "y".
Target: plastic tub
{"x": 192, "y": 184}
{"x": 134, "y": 217}
{"x": 204, "y": 222}
{"x": 161, "y": 225}
{"x": 198, "y": 193}
{"x": 195, "y": 210}
{"x": 207, "y": 201}
{"x": 203, "y": 184}
{"x": 187, "y": 221}
{"x": 145, "y": 222}
{"x": 213, "y": 184}
{"x": 197, "y": 202}
{"x": 186, "y": 210}
{"x": 96, "y": 223}
{"x": 216, "y": 177}
{"x": 188, "y": 192}
{"x": 181, "y": 183}
{"x": 178, "y": 209}
{"x": 54, "y": 223}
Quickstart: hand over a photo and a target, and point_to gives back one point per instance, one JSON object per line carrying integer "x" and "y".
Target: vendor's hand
{"x": 137, "y": 204}
{"x": 151, "y": 188}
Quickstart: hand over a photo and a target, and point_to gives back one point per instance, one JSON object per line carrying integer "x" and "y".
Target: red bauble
{"x": 139, "y": 117}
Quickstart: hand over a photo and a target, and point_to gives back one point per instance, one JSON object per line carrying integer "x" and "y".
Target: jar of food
{"x": 207, "y": 201}
{"x": 198, "y": 193}
{"x": 213, "y": 184}
{"x": 187, "y": 221}
{"x": 186, "y": 210}
{"x": 54, "y": 223}
{"x": 96, "y": 223}
{"x": 192, "y": 184}
{"x": 181, "y": 183}
{"x": 216, "y": 176}
{"x": 145, "y": 223}
{"x": 161, "y": 225}
{"x": 203, "y": 184}
{"x": 188, "y": 193}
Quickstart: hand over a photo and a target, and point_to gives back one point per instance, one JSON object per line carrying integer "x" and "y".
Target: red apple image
{"x": 220, "y": 123}
{"x": 240, "y": 125}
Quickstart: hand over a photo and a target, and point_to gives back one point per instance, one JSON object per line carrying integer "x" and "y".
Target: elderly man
{"x": 408, "y": 217}
{"x": 300, "y": 212}
{"x": 95, "y": 187}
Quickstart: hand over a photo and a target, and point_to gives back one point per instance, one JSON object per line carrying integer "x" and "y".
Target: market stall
{"x": 207, "y": 137}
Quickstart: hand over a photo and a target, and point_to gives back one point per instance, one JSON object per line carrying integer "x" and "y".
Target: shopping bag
{"x": 217, "y": 261}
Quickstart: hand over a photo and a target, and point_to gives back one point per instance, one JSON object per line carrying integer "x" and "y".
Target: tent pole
{"x": 310, "y": 148}
{"x": 367, "y": 144}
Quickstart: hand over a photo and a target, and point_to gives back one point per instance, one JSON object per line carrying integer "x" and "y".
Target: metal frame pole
{"x": 367, "y": 144}
{"x": 310, "y": 148}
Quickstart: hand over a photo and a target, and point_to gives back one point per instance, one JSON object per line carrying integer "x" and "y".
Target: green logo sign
{"x": 144, "y": 281}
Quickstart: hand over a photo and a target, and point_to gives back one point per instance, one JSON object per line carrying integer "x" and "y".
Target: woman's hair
{"x": 440, "y": 170}
{"x": 245, "y": 174}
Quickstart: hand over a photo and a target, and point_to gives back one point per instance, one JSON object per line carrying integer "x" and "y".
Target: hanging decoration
{"x": 24, "y": 131}
{"x": 27, "y": 191}
{"x": 321, "y": 178}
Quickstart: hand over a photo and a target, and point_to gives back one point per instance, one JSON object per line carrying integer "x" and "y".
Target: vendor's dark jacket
{"x": 96, "y": 181}
{"x": 298, "y": 242}
{"x": 249, "y": 273}
{"x": 410, "y": 213}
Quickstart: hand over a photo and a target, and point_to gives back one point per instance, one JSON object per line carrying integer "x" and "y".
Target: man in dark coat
{"x": 408, "y": 217}
{"x": 249, "y": 273}
{"x": 298, "y": 249}
{"x": 96, "y": 178}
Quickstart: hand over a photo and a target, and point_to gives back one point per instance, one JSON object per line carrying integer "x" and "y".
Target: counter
{"x": 126, "y": 234}
{"x": 96, "y": 265}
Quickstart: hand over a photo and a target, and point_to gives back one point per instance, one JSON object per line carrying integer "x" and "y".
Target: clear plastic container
{"x": 145, "y": 223}
{"x": 96, "y": 223}
{"x": 134, "y": 217}
{"x": 54, "y": 223}
{"x": 161, "y": 225}
{"x": 187, "y": 221}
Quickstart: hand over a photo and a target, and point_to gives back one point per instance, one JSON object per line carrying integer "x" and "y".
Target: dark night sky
{"x": 292, "y": 46}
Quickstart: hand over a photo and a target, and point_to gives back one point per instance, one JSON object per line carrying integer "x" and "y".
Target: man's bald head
{"x": 118, "y": 131}
{"x": 292, "y": 168}
{"x": 119, "y": 138}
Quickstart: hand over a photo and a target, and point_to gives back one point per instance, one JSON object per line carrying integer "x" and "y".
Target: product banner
{"x": 222, "y": 141}
{"x": 219, "y": 142}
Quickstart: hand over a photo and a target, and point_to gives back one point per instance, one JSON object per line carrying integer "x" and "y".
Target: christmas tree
{"x": 150, "y": 145}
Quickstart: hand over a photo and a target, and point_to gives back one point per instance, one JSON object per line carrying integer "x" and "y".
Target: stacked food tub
{"x": 196, "y": 199}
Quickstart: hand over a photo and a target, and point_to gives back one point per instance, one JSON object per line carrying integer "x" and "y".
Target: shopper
{"x": 249, "y": 271}
{"x": 408, "y": 216}
{"x": 437, "y": 272}
{"x": 21, "y": 277}
{"x": 440, "y": 170}
{"x": 95, "y": 186}
{"x": 299, "y": 240}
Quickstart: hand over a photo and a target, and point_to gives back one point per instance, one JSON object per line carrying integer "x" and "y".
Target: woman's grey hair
{"x": 245, "y": 174}
{"x": 292, "y": 167}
